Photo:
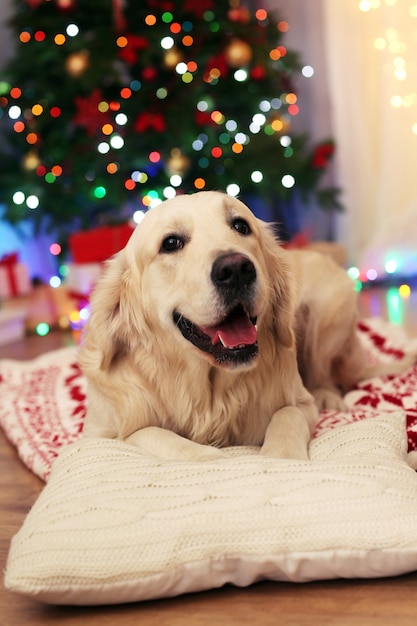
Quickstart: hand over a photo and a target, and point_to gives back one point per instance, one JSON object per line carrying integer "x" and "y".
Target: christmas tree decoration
{"x": 239, "y": 13}
{"x": 177, "y": 163}
{"x": 172, "y": 57}
{"x": 65, "y": 5}
{"x": 31, "y": 160}
{"x": 238, "y": 53}
{"x": 108, "y": 108}
{"x": 14, "y": 278}
{"x": 77, "y": 63}
{"x": 279, "y": 123}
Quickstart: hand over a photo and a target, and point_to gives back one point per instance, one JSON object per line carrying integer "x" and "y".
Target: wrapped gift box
{"x": 14, "y": 277}
{"x": 45, "y": 304}
{"x": 82, "y": 277}
{"x": 12, "y": 325}
{"x": 99, "y": 244}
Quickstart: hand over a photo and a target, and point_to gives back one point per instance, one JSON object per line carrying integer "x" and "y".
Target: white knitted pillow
{"x": 113, "y": 525}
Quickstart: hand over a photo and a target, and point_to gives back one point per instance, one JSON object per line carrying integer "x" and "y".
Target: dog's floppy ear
{"x": 282, "y": 296}
{"x": 107, "y": 329}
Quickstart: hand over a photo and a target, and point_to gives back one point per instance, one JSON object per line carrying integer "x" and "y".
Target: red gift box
{"x": 14, "y": 279}
{"x": 99, "y": 244}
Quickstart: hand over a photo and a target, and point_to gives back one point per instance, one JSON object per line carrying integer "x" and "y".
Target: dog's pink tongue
{"x": 236, "y": 330}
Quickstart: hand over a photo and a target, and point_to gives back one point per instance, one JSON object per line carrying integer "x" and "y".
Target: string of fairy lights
{"x": 393, "y": 40}
{"x": 272, "y": 117}
{"x": 239, "y": 53}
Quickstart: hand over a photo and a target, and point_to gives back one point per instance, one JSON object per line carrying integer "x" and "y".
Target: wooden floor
{"x": 380, "y": 602}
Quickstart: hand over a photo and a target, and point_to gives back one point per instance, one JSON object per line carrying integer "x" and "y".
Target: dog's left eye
{"x": 241, "y": 226}
{"x": 172, "y": 243}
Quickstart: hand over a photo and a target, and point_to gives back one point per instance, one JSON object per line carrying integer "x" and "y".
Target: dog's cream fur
{"x": 150, "y": 386}
{"x": 142, "y": 373}
{"x": 331, "y": 358}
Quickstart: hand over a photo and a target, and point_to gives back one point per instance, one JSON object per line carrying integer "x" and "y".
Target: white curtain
{"x": 371, "y": 49}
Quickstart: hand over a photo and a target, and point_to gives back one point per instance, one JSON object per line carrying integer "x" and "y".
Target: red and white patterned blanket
{"x": 43, "y": 401}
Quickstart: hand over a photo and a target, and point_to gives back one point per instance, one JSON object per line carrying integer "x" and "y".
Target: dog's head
{"x": 200, "y": 274}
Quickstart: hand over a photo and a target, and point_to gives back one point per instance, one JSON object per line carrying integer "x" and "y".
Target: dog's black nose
{"x": 233, "y": 271}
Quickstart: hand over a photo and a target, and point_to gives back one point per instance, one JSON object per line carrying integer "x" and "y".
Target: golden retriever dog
{"x": 331, "y": 357}
{"x": 191, "y": 342}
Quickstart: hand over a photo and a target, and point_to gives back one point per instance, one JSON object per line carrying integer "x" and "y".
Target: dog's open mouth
{"x": 231, "y": 341}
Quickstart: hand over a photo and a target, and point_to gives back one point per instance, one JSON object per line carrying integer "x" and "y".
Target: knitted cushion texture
{"x": 113, "y": 525}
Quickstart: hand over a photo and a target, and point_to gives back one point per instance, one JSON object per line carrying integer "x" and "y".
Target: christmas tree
{"x": 110, "y": 107}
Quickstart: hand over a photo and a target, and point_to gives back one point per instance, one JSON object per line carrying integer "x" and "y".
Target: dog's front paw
{"x": 296, "y": 452}
{"x": 168, "y": 446}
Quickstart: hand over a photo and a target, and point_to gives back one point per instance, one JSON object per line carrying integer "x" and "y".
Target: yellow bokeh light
{"x": 150, "y": 20}
{"x": 107, "y": 129}
{"x": 275, "y": 54}
{"x": 60, "y": 39}
{"x": 37, "y": 109}
{"x": 214, "y": 73}
{"x": 74, "y": 316}
{"x": 277, "y": 125}
{"x": 396, "y": 101}
{"x": 380, "y": 43}
{"x": 187, "y": 77}
{"x": 103, "y": 106}
{"x": 404, "y": 291}
{"x": 121, "y": 42}
{"x": 199, "y": 183}
{"x": 217, "y": 117}
{"x": 400, "y": 74}
{"x": 367, "y": 5}
{"x": 63, "y": 321}
{"x": 237, "y": 148}
{"x": 397, "y": 47}
{"x": 291, "y": 98}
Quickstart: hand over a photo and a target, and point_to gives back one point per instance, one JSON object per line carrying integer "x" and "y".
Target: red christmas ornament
{"x": 202, "y": 118}
{"x": 239, "y": 14}
{"x": 219, "y": 62}
{"x": 258, "y": 72}
{"x": 161, "y": 5}
{"x": 65, "y": 5}
{"x": 149, "y": 73}
{"x": 88, "y": 113}
{"x": 150, "y": 121}
{"x": 33, "y": 4}
{"x": 322, "y": 154}
{"x": 118, "y": 15}
{"x": 198, "y": 8}
{"x": 129, "y": 53}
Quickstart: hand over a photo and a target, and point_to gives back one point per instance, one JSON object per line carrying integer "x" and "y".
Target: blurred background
{"x": 305, "y": 109}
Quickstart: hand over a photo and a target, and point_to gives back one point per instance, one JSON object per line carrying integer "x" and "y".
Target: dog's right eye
{"x": 241, "y": 226}
{"x": 172, "y": 243}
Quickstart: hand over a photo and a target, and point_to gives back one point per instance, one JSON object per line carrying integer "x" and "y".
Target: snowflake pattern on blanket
{"x": 43, "y": 406}
{"x": 43, "y": 401}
